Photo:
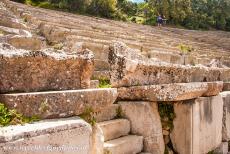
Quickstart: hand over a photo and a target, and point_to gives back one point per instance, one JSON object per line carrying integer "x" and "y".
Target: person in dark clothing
{"x": 159, "y": 21}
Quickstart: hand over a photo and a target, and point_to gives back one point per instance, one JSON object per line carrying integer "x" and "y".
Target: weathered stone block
{"x": 124, "y": 145}
{"x": 166, "y": 57}
{"x": 108, "y": 113}
{"x": 113, "y": 129}
{"x": 198, "y": 125}
{"x": 57, "y": 136}
{"x": 145, "y": 121}
{"x": 59, "y": 103}
{"x": 26, "y": 71}
{"x": 94, "y": 84}
{"x": 226, "y": 116}
{"x": 170, "y": 92}
{"x": 27, "y": 43}
{"x": 129, "y": 68}
{"x": 53, "y": 34}
{"x": 15, "y": 31}
{"x": 11, "y": 22}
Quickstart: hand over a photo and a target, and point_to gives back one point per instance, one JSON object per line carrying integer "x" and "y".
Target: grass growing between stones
{"x": 119, "y": 113}
{"x": 89, "y": 116}
{"x": 12, "y": 117}
{"x": 185, "y": 48}
{"x": 2, "y": 33}
{"x": 104, "y": 83}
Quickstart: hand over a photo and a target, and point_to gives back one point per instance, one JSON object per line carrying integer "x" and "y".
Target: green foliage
{"x": 72, "y": 5}
{"x": 46, "y": 5}
{"x": 104, "y": 83}
{"x": 167, "y": 115}
{"x": 192, "y": 14}
{"x": 12, "y": 117}
{"x": 104, "y": 8}
{"x": 151, "y": 21}
{"x": 185, "y": 48}
{"x": 89, "y": 116}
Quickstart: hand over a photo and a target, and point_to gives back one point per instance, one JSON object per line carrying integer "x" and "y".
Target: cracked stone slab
{"x": 45, "y": 134}
{"x": 28, "y": 71}
{"x": 56, "y": 104}
{"x": 130, "y": 68}
{"x": 170, "y": 92}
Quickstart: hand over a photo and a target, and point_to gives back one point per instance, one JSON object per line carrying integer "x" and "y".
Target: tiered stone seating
{"x": 144, "y": 38}
{"x": 147, "y": 70}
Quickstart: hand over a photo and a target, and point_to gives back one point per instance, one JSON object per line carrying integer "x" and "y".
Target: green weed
{"x": 89, "y": 116}
{"x": 12, "y": 117}
{"x": 104, "y": 83}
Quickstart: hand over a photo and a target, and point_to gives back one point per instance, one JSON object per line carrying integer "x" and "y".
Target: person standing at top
{"x": 159, "y": 20}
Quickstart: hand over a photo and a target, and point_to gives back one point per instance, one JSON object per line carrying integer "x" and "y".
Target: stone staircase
{"x": 117, "y": 139}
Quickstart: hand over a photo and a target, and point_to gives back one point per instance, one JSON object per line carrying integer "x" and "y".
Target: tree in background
{"x": 104, "y": 8}
{"x": 195, "y": 14}
{"x": 192, "y": 14}
{"x": 72, "y": 5}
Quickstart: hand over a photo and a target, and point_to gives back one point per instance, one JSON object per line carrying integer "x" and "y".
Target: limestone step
{"x": 54, "y": 104}
{"x": 108, "y": 113}
{"x": 130, "y": 144}
{"x": 73, "y": 132}
{"x": 113, "y": 129}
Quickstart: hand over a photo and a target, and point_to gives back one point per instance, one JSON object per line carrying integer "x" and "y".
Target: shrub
{"x": 12, "y": 117}
{"x": 104, "y": 83}
{"x": 151, "y": 21}
{"x": 185, "y": 48}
